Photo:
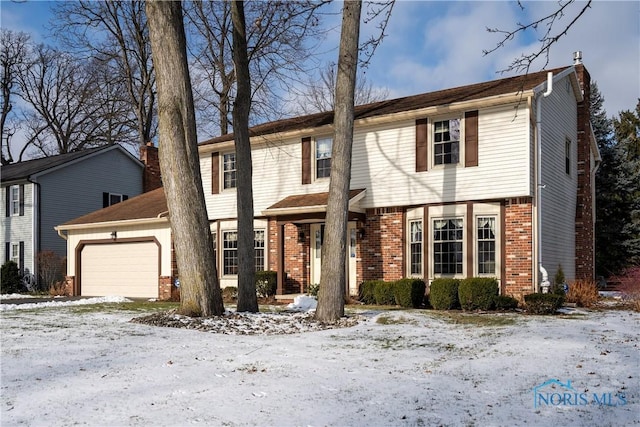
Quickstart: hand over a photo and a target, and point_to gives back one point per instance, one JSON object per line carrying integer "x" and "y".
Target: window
{"x": 486, "y": 236}
{"x": 447, "y": 246}
{"x": 229, "y": 170}
{"x": 446, "y": 142}
{"x": 15, "y": 253}
{"x": 214, "y": 237}
{"x": 258, "y": 243}
{"x": 323, "y": 157}
{"x": 15, "y": 200}
{"x": 230, "y": 253}
{"x": 415, "y": 247}
{"x": 567, "y": 156}
{"x": 109, "y": 199}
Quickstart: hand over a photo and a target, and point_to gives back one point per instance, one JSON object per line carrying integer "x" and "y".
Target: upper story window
{"x": 446, "y": 142}
{"x": 109, "y": 199}
{"x": 229, "y": 170}
{"x": 14, "y": 202}
{"x": 323, "y": 157}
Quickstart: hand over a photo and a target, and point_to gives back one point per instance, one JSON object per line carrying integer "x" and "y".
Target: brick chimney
{"x": 151, "y": 178}
{"x": 585, "y": 215}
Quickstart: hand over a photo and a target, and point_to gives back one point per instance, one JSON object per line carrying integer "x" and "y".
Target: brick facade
{"x": 585, "y": 221}
{"x": 518, "y": 247}
{"x": 381, "y": 252}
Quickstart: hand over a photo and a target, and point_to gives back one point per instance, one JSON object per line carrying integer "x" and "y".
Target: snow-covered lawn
{"x": 78, "y": 365}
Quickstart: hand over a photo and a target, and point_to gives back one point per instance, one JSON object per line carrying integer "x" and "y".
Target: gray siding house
{"x": 39, "y": 194}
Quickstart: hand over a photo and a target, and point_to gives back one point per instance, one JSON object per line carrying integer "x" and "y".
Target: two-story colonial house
{"x": 42, "y": 193}
{"x": 491, "y": 179}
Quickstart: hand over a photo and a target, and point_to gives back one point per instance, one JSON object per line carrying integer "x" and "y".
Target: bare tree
{"x": 318, "y": 95}
{"x": 548, "y": 38}
{"x": 277, "y": 48}
{"x": 61, "y": 93}
{"x": 12, "y": 60}
{"x": 333, "y": 277}
{"x": 200, "y": 293}
{"x": 247, "y": 299}
{"x": 115, "y": 32}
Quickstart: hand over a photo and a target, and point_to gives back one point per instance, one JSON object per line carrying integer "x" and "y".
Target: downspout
{"x": 544, "y": 284}
{"x": 35, "y": 225}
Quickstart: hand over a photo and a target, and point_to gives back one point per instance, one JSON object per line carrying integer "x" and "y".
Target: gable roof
{"x": 29, "y": 168}
{"x": 152, "y": 204}
{"x": 438, "y": 98}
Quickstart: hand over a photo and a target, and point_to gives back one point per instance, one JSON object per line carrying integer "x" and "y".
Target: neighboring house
{"x": 491, "y": 179}
{"x": 42, "y": 193}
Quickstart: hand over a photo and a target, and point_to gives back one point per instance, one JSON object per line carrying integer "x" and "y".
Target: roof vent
{"x": 577, "y": 57}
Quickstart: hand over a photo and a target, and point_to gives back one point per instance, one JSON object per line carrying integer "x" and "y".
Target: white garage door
{"x": 125, "y": 269}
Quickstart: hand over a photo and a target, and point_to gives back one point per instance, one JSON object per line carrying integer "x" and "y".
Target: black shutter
{"x": 8, "y": 201}
{"x": 22, "y": 200}
{"x": 7, "y": 249}
{"x": 105, "y": 200}
{"x": 21, "y": 259}
{"x": 124, "y": 197}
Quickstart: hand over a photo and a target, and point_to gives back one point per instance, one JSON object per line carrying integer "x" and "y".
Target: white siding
{"x": 162, "y": 233}
{"x": 17, "y": 229}
{"x": 559, "y": 121}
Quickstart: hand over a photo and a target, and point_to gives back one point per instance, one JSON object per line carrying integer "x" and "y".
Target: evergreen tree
{"x": 617, "y": 188}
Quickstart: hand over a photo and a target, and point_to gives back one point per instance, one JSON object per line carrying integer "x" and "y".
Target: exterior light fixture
{"x": 114, "y": 235}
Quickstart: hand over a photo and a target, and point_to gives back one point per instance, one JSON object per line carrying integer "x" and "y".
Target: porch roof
{"x": 311, "y": 203}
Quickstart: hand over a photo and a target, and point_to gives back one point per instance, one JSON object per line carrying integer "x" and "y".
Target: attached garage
{"x": 128, "y": 269}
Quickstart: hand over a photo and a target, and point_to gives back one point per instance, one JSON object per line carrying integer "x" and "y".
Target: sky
{"x": 90, "y": 365}
{"x": 432, "y": 45}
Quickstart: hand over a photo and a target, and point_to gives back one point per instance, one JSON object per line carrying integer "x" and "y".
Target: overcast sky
{"x": 437, "y": 45}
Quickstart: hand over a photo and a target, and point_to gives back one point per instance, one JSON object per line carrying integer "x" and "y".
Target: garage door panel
{"x": 125, "y": 269}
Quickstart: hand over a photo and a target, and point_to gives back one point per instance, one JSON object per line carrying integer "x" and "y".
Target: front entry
{"x": 317, "y": 239}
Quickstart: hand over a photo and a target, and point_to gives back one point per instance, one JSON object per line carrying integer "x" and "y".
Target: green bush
{"x": 409, "y": 292}
{"x": 478, "y": 293}
{"x": 11, "y": 279}
{"x": 313, "y": 289}
{"x": 443, "y": 294}
{"x": 383, "y": 293}
{"x": 366, "y": 293}
{"x": 543, "y": 303}
{"x": 504, "y": 302}
{"x": 266, "y": 283}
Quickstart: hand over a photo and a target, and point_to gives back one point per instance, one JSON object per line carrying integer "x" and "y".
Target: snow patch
{"x": 88, "y": 301}
{"x": 303, "y": 303}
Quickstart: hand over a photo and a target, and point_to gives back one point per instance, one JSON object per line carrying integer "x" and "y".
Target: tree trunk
{"x": 180, "y": 164}
{"x": 333, "y": 275}
{"x": 247, "y": 300}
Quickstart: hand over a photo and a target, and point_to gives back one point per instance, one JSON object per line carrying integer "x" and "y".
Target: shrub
{"x": 383, "y": 293}
{"x": 409, "y": 292}
{"x": 543, "y": 303}
{"x": 443, "y": 294}
{"x": 505, "y": 302}
{"x": 51, "y": 268}
{"x": 477, "y": 293}
{"x": 313, "y": 289}
{"x": 229, "y": 294}
{"x": 58, "y": 289}
{"x": 266, "y": 283}
{"x": 11, "y": 279}
{"x": 366, "y": 293}
{"x": 629, "y": 286}
{"x": 584, "y": 293}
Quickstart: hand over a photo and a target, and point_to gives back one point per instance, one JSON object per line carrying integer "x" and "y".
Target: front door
{"x": 317, "y": 240}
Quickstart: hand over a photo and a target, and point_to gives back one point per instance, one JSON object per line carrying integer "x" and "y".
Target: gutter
{"x": 544, "y": 285}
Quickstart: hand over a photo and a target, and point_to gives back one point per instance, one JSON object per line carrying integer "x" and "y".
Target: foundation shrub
{"x": 505, "y": 302}
{"x": 266, "y": 283}
{"x": 409, "y": 292}
{"x": 58, "y": 289}
{"x": 229, "y": 294}
{"x": 11, "y": 279}
{"x": 384, "y": 293}
{"x": 478, "y": 293}
{"x": 366, "y": 293}
{"x": 443, "y": 294}
{"x": 313, "y": 289}
{"x": 543, "y": 303}
{"x": 628, "y": 283}
{"x": 584, "y": 293}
